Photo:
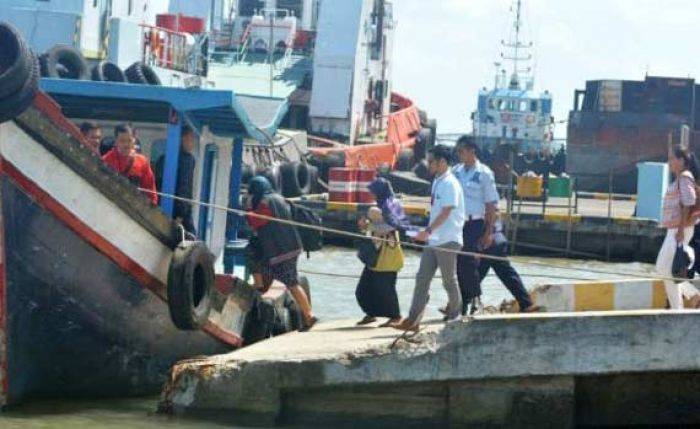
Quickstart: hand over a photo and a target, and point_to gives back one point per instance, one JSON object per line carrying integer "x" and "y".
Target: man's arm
{"x": 149, "y": 182}
{"x": 437, "y": 223}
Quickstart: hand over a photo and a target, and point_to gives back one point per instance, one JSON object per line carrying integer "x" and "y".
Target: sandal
{"x": 366, "y": 321}
{"x": 406, "y": 325}
{"x": 390, "y": 323}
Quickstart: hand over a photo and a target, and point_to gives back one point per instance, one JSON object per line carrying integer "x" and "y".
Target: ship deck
{"x": 252, "y": 76}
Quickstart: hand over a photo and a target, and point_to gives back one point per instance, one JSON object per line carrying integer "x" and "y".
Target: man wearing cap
{"x": 482, "y": 233}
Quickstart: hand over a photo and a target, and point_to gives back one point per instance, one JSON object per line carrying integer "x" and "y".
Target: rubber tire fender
{"x": 15, "y": 60}
{"x": 272, "y": 174}
{"x": 190, "y": 285}
{"x": 104, "y": 71}
{"x": 314, "y": 186}
{"x": 247, "y": 173}
{"x": 14, "y": 104}
{"x": 64, "y": 62}
{"x": 140, "y": 73}
{"x": 404, "y": 161}
{"x": 295, "y": 179}
{"x": 422, "y": 170}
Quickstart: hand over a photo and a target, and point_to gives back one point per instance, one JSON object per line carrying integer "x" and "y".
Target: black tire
{"x": 422, "y": 171}
{"x": 259, "y": 322}
{"x": 16, "y": 61}
{"x": 432, "y": 126}
{"x": 296, "y": 319}
{"x": 295, "y": 179}
{"x": 273, "y": 175}
{"x": 190, "y": 285}
{"x": 422, "y": 145}
{"x": 105, "y": 71}
{"x": 405, "y": 160}
{"x": 143, "y": 74}
{"x": 314, "y": 186}
{"x": 64, "y": 62}
{"x": 17, "y": 102}
{"x": 247, "y": 173}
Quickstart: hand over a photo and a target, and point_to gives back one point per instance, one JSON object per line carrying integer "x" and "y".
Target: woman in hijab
{"x": 279, "y": 244}
{"x": 376, "y": 291}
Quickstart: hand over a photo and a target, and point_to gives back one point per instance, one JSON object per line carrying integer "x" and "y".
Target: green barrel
{"x": 559, "y": 187}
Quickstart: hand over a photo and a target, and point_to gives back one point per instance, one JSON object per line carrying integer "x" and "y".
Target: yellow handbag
{"x": 390, "y": 255}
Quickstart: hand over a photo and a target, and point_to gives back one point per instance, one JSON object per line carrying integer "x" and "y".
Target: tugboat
{"x": 512, "y": 118}
{"x": 100, "y": 292}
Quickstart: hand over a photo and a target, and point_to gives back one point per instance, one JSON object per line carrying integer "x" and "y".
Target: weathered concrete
{"x": 504, "y": 370}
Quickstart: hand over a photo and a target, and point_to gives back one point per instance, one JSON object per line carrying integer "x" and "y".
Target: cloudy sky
{"x": 444, "y": 54}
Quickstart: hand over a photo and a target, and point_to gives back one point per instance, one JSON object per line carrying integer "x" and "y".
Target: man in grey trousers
{"x": 443, "y": 236}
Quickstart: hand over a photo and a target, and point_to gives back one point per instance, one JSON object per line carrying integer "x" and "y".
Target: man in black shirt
{"x": 182, "y": 211}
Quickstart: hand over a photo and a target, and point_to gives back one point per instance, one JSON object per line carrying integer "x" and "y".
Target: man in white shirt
{"x": 482, "y": 232}
{"x": 443, "y": 237}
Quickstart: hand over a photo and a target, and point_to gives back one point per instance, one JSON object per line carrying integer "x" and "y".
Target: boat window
{"x": 208, "y": 192}
{"x": 515, "y": 133}
{"x": 500, "y": 104}
{"x": 533, "y": 106}
{"x": 504, "y": 132}
{"x": 490, "y": 103}
{"x": 523, "y": 106}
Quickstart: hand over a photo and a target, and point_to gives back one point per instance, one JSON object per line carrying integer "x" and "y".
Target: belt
{"x": 472, "y": 218}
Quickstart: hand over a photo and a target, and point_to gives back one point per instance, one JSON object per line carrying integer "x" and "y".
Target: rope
{"x": 413, "y": 277}
{"x": 521, "y": 260}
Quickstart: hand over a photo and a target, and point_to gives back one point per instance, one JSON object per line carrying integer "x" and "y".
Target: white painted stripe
{"x": 634, "y": 295}
{"x": 84, "y": 201}
{"x": 342, "y": 187}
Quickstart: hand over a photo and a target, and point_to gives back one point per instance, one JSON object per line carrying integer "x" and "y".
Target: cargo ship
{"x": 615, "y": 124}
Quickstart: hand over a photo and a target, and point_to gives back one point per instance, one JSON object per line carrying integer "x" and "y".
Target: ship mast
{"x": 517, "y": 51}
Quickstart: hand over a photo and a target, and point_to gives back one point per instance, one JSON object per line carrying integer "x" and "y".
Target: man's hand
{"x": 422, "y": 236}
{"x": 486, "y": 241}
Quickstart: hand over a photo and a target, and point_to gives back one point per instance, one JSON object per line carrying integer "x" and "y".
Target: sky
{"x": 445, "y": 49}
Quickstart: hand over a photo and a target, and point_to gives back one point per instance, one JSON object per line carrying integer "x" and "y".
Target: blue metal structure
{"x": 223, "y": 112}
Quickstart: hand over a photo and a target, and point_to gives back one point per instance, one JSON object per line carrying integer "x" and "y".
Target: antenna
{"x": 518, "y": 49}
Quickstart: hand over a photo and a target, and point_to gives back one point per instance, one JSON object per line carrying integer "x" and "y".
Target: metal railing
{"x": 173, "y": 50}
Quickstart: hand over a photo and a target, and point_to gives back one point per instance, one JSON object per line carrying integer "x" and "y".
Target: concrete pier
{"x": 544, "y": 370}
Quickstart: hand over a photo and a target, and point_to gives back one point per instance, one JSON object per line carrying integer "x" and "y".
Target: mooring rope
{"x": 358, "y": 236}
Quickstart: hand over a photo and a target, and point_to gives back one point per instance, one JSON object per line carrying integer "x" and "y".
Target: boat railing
{"x": 173, "y": 50}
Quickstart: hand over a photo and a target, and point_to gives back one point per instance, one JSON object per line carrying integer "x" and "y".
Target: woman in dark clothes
{"x": 376, "y": 291}
{"x": 279, "y": 243}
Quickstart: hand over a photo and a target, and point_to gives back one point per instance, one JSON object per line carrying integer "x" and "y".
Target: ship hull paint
{"x": 84, "y": 300}
{"x": 601, "y": 143}
{"x": 77, "y": 323}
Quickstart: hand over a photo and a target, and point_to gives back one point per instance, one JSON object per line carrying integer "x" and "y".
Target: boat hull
{"x": 76, "y": 323}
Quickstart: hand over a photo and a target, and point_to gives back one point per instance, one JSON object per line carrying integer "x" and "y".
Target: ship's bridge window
{"x": 523, "y": 106}
{"x": 490, "y": 103}
{"x": 533, "y": 106}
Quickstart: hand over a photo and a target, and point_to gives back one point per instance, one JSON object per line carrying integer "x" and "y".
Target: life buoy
{"x": 190, "y": 285}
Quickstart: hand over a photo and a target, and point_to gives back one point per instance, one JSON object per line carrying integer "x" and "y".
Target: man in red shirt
{"x": 124, "y": 160}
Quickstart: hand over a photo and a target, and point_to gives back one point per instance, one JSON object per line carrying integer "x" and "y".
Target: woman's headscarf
{"x": 392, "y": 211}
{"x": 258, "y": 187}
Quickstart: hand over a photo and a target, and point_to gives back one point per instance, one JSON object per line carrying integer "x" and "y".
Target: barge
{"x": 616, "y": 124}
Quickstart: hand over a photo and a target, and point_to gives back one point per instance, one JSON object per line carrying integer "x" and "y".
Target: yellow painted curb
{"x": 341, "y": 207}
{"x": 563, "y": 218}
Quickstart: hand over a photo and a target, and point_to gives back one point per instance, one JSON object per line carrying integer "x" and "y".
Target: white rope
{"x": 521, "y": 260}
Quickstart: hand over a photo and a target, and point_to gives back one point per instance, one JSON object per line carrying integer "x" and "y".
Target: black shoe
{"x": 476, "y": 307}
